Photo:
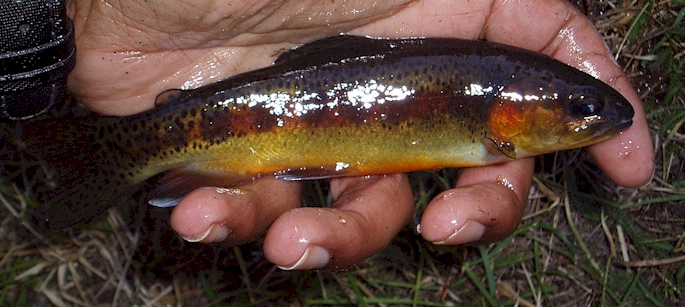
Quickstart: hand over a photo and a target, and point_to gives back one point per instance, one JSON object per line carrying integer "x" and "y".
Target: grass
{"x": 583, "y": 240}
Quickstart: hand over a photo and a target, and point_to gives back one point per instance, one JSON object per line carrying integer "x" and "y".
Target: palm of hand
{"x": 130, "y": 51}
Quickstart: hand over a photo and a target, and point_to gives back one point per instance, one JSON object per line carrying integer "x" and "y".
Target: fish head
{"x": 548, "y": 113}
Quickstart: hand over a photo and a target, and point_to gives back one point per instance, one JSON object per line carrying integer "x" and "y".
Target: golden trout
{"x": 342, "y": 106}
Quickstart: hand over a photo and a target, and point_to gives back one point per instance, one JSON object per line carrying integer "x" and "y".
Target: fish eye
{"x": 585, "y": 101}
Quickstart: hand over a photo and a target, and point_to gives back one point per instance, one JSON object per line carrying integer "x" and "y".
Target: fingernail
{"x": 471, "y": 231}
{"x": 314, "y": 257}
{"x": 215, "y": 233}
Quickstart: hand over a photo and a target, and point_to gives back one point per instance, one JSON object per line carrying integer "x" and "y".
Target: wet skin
{"x": 154, "y": 46}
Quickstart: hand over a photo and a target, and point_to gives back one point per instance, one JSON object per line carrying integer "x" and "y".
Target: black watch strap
{"x": 37, "y": 52}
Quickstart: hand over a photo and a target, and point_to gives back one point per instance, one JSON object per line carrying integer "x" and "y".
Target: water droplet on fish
{"x": 339, "y": 166}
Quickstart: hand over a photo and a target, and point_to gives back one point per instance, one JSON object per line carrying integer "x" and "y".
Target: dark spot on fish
{"x": 179, "y": 122}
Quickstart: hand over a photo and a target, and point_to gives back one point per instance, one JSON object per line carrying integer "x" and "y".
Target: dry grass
{"x": 584, "y": 241}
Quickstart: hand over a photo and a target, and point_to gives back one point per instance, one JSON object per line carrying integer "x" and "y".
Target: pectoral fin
{"x": 164, "y": 202}
{"x": 499, "y": 147}
{"x": 310, "y": 174}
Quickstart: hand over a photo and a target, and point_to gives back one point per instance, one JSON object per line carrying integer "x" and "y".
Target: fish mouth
{"x": 610, "y": 130}
{"x": 610, "y": 126}
{"x": 622, "y": 115}
{"x": 625, "y": 113}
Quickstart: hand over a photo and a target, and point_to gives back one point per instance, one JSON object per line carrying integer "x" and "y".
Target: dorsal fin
{"x": 167, "y": 96}
{"x": 328, "y": 49}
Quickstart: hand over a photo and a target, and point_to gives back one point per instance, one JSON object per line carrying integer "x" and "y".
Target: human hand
{"x": 129, "y": 51}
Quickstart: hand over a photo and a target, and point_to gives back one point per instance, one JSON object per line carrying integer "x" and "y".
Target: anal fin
{"x": 174, "y": 184}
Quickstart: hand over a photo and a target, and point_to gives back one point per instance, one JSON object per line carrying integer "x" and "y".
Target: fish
{"x": 339, "y": 106}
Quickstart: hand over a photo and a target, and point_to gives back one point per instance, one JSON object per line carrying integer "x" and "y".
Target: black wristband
{"x": 37, "y": 52}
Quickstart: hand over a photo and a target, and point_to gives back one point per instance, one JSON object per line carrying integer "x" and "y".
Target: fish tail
{"x": 75, "y": 171}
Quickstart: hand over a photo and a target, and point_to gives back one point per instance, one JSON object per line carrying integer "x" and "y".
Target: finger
{"x": 566, "y": 34}
{"x": 236, "y": 215}
{"x": 366, "y": 215}
{"x": 486, "y": 205}
{"x": 628, "y": 158}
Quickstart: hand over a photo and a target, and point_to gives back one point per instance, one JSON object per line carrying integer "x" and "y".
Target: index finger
{"x": 628, "y": 158}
